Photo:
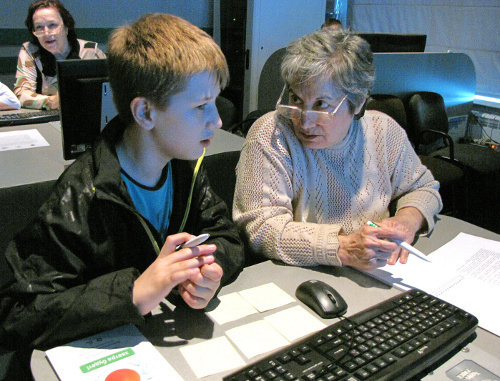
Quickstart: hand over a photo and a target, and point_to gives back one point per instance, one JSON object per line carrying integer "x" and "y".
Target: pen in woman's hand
{"x": 404, "y": 245}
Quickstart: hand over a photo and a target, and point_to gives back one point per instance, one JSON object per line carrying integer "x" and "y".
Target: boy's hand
{"x": 170, "y": 269}
{"x": 200, "y": 289}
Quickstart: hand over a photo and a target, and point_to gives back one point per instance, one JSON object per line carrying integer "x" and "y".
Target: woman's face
{"x": 321, "y": 96}
{"x": 54, "y": 38}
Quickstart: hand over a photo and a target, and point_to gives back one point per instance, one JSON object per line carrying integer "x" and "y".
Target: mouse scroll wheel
{"x": 332, "y": 298}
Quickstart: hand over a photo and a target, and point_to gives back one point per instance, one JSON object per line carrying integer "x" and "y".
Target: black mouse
{"x": 321, "y": 298}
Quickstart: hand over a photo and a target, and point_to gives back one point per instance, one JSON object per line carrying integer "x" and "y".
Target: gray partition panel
{"x": 450, "y": 74}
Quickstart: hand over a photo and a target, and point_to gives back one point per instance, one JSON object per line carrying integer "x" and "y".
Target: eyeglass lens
{"x": 40, "y": 30}
{"x": 291, "y": 112}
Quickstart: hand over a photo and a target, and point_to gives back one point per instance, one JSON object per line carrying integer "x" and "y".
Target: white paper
{"x": 21, "y": 139}
{"x": 266, "y": 297}
{"x": 464, "y": 272}
{"x": 231, "y": 307}
{"x": 256, "y": 338}
{"x": 123, "y": 352}
{"x": 212, "y": 356}
{"x": 295, "y": 322}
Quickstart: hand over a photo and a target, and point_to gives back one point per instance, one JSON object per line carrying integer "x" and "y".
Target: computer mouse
{"x": 321, "y": 298}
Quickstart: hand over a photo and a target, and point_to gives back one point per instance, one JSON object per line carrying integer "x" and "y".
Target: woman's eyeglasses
{"x": 42, "y": 30}
{"x": 319, "y": 117}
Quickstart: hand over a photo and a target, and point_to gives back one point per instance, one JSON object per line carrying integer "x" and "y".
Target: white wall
{"x": 462, "y": 26}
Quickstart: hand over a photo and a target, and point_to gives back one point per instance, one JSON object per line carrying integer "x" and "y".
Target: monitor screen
{"x": 395, "y": 42}
{"x": 85, "y": 103}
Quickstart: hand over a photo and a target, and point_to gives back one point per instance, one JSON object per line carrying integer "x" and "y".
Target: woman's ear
{"x": 141, "y": 111}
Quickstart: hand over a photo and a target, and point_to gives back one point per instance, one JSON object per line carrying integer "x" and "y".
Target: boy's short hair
{"x": 155, "y": 56}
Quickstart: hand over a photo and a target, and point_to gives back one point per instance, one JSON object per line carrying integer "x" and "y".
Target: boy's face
{"x": 185, "y": 127}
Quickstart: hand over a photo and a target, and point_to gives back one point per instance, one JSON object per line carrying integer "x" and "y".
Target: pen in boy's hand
{"x": 405, "y": 245}
{"x": 194, "y": 241}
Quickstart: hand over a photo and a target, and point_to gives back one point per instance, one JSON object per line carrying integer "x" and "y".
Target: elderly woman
{"x": 315, "y": 171}
{"x": 53, "y": 38}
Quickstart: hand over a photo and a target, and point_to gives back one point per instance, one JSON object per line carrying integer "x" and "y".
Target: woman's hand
{"x": 172, "y": 268}
{"x": 370, "y": 247}
{"x": 53, "y": 101}
{"x": 407, "y": 221}
{"x": 365, "y": 249}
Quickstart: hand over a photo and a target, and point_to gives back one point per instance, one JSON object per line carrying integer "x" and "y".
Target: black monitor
{"x": 84, "y": 97}
{"x": 395, "y": 42}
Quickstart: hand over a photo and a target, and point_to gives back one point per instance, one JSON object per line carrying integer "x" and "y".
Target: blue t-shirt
{"x": 154, "y": 203}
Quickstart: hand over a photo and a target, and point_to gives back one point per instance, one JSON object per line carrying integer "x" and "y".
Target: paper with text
{"x": 464, "y": 272}
{"x": 22, "y": 139}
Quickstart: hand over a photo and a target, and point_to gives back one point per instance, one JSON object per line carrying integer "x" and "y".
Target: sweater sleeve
{"x": 25, "y": 87}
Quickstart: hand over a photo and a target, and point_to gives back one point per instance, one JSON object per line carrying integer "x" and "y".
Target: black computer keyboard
{"x": 399, "y": 339}
{"x": 29, "y": 117}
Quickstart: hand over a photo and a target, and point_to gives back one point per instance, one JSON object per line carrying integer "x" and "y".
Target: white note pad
{"x": 266, "y": 297}
{"x": 295, "y": 322}
{"x": 212, "y": 356}
{"x": 231, "y": 307}
{"x": 256, "y": 338}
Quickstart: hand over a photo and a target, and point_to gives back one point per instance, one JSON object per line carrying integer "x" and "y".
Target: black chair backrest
{"x": 227, "y": 112}
{"x": 426, "y": 111}
{"x": 18, "y": 207}
{"x": 221, "y": 171}
{"x": 270, "y": 81}
{"x": 390, "y": 105}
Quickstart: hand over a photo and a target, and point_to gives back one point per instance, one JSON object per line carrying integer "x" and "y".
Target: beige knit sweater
{"x": 293, "y": 202}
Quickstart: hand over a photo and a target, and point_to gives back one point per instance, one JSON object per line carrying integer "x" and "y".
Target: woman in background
{"x": 53, "y": 38}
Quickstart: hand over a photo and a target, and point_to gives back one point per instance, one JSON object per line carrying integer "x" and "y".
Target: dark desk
{"x": 359, "y": 290}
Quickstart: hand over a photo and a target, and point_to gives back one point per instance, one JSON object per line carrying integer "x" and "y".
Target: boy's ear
{"x": 141, "y": 110}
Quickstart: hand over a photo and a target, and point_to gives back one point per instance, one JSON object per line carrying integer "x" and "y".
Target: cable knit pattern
{"x": 293, "y": 202}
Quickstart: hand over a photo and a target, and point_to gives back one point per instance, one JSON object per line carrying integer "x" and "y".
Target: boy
{"x": 102, "y": 252}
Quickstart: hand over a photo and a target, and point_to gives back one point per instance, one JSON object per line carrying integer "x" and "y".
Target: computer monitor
{"x": 395, "y": 42}
{"x": 85, "y": 103}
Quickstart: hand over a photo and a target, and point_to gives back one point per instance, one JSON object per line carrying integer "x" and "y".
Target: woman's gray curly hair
{"x": 325, "y": 55}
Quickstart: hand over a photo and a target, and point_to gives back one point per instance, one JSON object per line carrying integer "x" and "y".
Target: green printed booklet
{"x": 121, "y": 354}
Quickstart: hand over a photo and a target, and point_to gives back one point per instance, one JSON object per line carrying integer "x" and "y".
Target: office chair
{"x": 221, "y": 171}
{"x": 227, "y": 112}
{"x": 429, "y": 124}
{"x": 18, "y": 207}
{"x": 449, "y": 175}
{"x": 270, "y": 82}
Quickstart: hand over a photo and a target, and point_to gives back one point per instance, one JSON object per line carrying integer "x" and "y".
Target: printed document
{"x": 119, "y": 354}
{"x": 464, "y": 272}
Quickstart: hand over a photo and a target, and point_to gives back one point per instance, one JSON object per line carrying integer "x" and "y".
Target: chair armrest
{"x": 447, "y": 138}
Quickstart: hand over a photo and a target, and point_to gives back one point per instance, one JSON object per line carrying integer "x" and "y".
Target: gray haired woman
{"x": 316, "y": 170}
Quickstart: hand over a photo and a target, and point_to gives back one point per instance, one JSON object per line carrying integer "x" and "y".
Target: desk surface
{"x": 33, "y": 165}
{"x": 359, "y": 290}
